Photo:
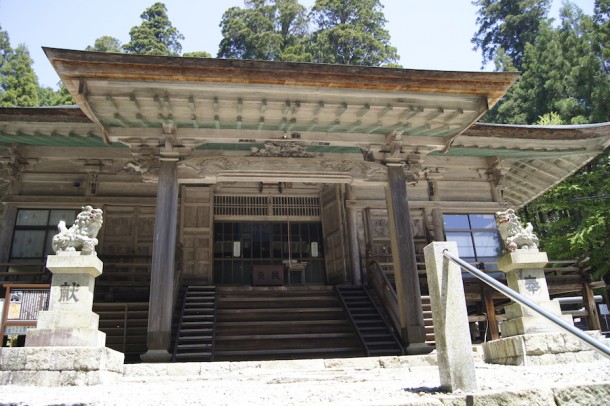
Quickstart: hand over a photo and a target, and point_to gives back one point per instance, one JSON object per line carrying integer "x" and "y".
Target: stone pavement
{"x": 412, "y": 380}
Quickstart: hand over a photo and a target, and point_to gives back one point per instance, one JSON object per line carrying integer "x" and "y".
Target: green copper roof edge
{"x": 58, "y": 141}
{"x": 508, "y": 153}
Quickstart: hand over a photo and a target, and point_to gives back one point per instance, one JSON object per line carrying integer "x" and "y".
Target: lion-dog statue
{"x": 81, "y": 236}
{"x": 514, "y": 235}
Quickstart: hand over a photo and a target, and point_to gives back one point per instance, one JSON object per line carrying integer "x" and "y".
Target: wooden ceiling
{"x": 223, "y": 101}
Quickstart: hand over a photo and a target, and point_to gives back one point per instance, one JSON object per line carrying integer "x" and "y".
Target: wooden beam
{"x": 538, "y": 169}
{"x": 364, "y": 109}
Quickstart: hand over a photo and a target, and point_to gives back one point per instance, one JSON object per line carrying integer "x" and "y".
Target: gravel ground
{"x": 507, "y": 385}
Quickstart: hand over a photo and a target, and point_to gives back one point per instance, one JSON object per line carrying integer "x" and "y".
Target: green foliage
{"x": 335, "y": 31}
{"x": 551, "y": 118}
{"x": 273, "y": 30}
{"x": 5, "y": 46}
{"x": 106, "y": 44}
{"x": 601, "y": 19}
{"x": 574, "y": 217}
{"x": 507, "y": 24}
{"x": 197, "y": 54}
{"x": 19, "y": 84}
{"x": 564, "y": 71}
{"x": 156, "y": 35}
{"x": 565, "y": 80}
{"x": 50, "y": 97}
{"x": 351, "y": 33}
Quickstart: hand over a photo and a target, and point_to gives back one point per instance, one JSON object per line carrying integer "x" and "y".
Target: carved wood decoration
{"x": 333, "y": 221}
{"x": 196, "y": 233}
{"x": 275, "y": 168}
{"x": 283, "y": 149}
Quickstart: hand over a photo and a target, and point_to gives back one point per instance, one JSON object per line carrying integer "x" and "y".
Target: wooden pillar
{"x": 367, "y": 244}
{"x": 352, "y": 230}
{"x": 588, "y": 299}
{"x": 438, "y": 227}
{"x": 6, "y": 232}
{"x": 162, "y": 271}
{"x": 405, "y": 263}
{"x": 490, "y": 310}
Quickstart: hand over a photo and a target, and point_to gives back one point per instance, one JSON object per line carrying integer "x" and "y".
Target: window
{"x": 476, "y": 236}
{"x": 34, "y": 231}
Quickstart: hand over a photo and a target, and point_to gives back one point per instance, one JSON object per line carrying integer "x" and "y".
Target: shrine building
{"x": 273, "y": 210}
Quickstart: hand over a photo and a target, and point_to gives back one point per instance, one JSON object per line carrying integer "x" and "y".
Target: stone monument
{"x": 66, "y": 347}
{"x": 527, "y": 337}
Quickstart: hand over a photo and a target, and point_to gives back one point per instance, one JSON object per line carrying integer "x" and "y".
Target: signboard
{"x": 603, "y": 309}
{"x": 24, "y": 304}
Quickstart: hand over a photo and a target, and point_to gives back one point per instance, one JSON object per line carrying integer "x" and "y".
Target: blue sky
{"x": 430, "y": 34}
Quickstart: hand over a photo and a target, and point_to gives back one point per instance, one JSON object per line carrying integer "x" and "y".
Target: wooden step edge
{"x": 282, "y": 336}
{"x": 288, "y": 351}
{"x": 284, "y": 310}
{"x": 191, "y": 355}
{"x": 279, "y": 322}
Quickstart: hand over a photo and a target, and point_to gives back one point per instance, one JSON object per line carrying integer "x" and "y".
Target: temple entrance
{"x": 268, "y": 253}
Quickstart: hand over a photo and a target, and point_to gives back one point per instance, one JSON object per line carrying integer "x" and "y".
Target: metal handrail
{"x": 595, "y": 344}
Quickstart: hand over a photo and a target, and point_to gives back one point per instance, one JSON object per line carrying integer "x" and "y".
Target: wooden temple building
{"x": 266, "y": 210}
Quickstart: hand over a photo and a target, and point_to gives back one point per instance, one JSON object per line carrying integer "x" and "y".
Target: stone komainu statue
{"x": 81, "y": 236}
{"x": 514, "y": 235}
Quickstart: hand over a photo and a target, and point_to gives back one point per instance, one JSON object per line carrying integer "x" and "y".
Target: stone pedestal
{"x": 66, "y": 347}
{"x": 527, "y": 337}
{"x": 525, "y": 275}
{"x": 69, "y": 320}
{"x": 541, "y": 349}
{"x": 60, "y": 366}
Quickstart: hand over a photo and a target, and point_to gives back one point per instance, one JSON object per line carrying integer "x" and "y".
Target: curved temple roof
{"x": 130, "y": 100}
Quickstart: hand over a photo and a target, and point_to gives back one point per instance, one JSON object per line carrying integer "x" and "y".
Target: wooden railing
{"x": 385, "y": 292}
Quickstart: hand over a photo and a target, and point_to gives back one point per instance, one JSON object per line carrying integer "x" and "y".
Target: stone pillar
{"x": 162, "y": 272}
{"x": 69, "y": 320}
{"x": 453, "y": 344}
{"x": 405, "y": 263}
{"x": 525, "y": 274}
